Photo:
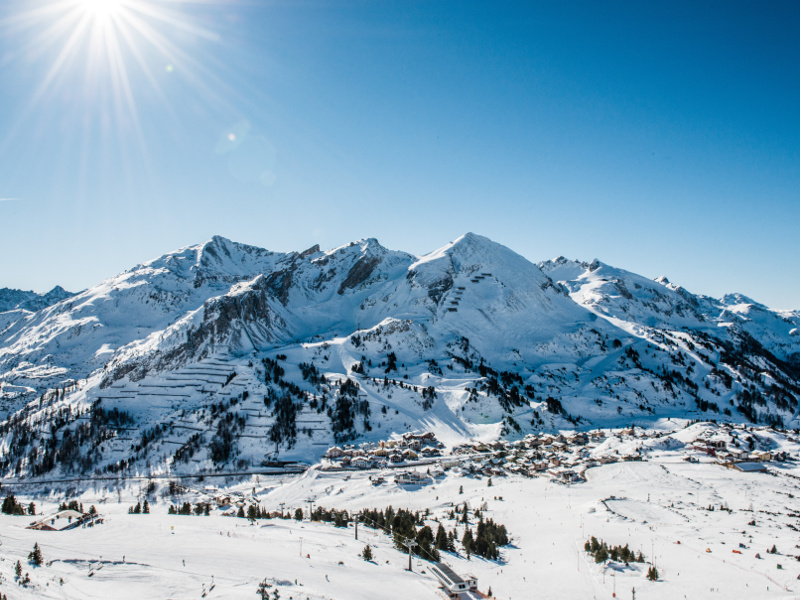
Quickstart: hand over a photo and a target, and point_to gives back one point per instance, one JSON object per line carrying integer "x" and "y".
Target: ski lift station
{"x": 454, "y": 584}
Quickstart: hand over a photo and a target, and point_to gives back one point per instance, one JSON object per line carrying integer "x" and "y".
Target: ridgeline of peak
{"x": 497, "y": 344}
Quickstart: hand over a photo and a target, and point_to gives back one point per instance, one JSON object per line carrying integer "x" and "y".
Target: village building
{"x": 61, "y": 521}
{"x": 360, "y": 462}
{"x": 409, "y": 454}
{"x": 749, "y": 467}
{"x": 410, "y": 477}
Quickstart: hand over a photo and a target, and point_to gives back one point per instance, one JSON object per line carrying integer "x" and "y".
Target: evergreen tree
{"x": 145, "y": 508}
{"x": 601, "y": 555}
{"x": 467, "y": 541}
{"x": 35, "y": 557}
{"x": 32, "y": 509}
{"x": 652, "y": 573}
{"x": 451, "y": 540}
{"x": 442, "y": 542}
{"x": 18, "y": 569}
{"x": 11, "y": 506}
{"x": 240, "y": 513}
{"x": 366, "y": 554}
{"x": 263, "y": 590}
{"x": 298, "y": 514}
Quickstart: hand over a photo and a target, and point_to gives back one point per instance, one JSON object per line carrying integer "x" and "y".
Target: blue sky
{"x": 663, "y": 138}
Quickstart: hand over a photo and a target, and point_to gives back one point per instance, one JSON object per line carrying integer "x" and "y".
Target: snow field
{"x": 658, "y": 507}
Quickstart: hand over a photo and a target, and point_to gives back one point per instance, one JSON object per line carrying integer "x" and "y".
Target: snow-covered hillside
{"x": 223, "y": 356}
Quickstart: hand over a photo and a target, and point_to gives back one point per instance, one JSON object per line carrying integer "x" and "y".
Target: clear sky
{"x": 659, "y": 137}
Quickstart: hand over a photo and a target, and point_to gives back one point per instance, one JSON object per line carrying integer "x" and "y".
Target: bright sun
{"x": 102, "y": 9}
{"x": 105, "y": 57}
{"x": 94, "y": 42}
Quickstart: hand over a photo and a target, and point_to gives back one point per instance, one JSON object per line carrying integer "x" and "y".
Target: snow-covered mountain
{"x": 30, "y": 301}
{"x": 226, "y": 353}
{"x": 18, "y": 304}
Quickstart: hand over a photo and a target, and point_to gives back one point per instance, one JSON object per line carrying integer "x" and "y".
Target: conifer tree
{"x": 366, "y": 554}
{"x": 145, "y": 508}
{"x": 467, "y": 541}
{"x": 441, "y": 538}
{"x": 35, "y": 557}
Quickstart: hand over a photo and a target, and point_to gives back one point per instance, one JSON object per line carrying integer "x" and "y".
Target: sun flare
{"x": 111, "y": 54}
{"x": 102, "y": 9}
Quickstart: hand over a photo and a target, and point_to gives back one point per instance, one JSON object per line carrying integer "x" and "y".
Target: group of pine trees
{"x": 140, "y": 508}
{"x": 487, "y": 541}
{"x": 201, "y": 508}
{"x": 602, "y": 552}
{"x": 339, "y": 518}
{"x": 405, "y": 525}
{"x": 12, "y": 507}
{"x": 71, "y": 505}
{"x": 345, "y": 410}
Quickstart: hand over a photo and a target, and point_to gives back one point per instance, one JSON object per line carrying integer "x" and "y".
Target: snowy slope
{"x": 707, "y": 529}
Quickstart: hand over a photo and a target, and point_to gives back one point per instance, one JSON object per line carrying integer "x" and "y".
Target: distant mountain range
{"x": 304, "y": 349}
{"x": 30, "y": 301}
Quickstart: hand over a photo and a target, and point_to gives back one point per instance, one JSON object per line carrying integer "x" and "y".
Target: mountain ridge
{"x": 506, "y": 346}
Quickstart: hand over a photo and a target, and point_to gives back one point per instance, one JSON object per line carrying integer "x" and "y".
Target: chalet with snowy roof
{"x": 579, "y": 439}
{"x": 415, "y": 445}
{"x": 409, "y": 454}
{"x": 410, "y": 477}
{"x": 431, "y": 451}
{"x": 334, "y": 452}
{"x": 61, "y": 521}
{"x": 761, "y": 456}
{"x": 360, "y": 462}
{"x": 748, "y": 467}
{"x": 738, "y": 453}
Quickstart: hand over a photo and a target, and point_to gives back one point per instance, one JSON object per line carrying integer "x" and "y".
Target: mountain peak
{"x": 737, "y": 298}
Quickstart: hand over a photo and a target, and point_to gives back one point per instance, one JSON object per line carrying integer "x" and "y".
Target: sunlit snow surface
{"x": 659, "y": 507}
